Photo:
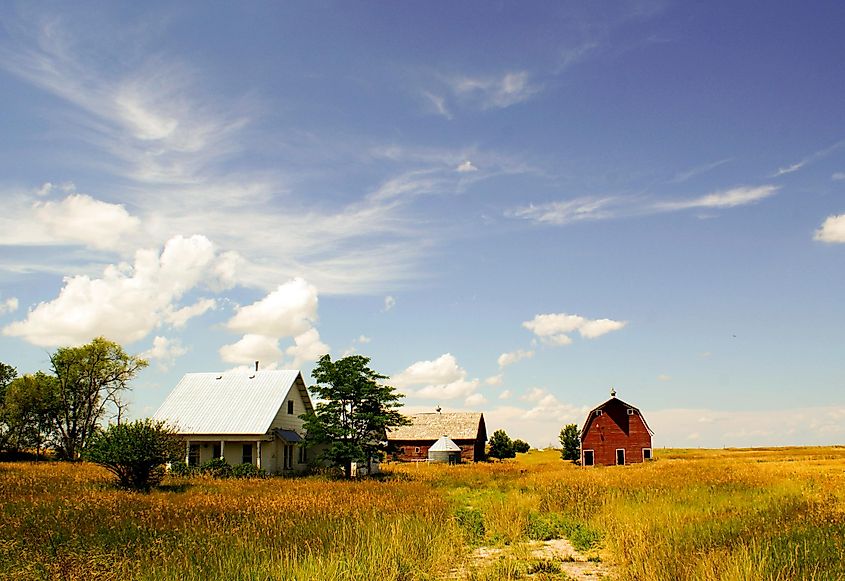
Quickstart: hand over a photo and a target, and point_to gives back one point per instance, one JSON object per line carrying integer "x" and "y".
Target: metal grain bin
{"x": 445, "y": 451}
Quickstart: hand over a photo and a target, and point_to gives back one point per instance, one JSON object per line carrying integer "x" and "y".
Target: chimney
{"x": 256, "y": 366}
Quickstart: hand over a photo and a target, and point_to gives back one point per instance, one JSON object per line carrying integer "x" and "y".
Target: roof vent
{"x": 219, "y": 377}
{"x": 256, "y": 366}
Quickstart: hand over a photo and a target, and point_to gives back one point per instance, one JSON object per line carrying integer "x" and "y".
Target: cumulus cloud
{"x": 179, "y": 317}
{"x": 466, "y": 167}
{"x": 554, "y": 328}
{"x": 289, "y": 310}
{"x": 475, "y": 399}
{"x": 512, "y": 357}
{"x": 127, "y": 302}
{"x": 164, "y": 352}
{"x": 832, "y": 230}
{"x": 505, "y": 394}
{"x": 252, "y": 348}
{"x": 495, "y": 379}
{"x": 82, "y": 219}
{"x": 307, "y": 348}
{"x": 10, "y": 305}
{"x": 441, "y": 378}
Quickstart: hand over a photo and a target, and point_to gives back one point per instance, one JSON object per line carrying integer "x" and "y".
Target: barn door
{"x": 620, "y": 457}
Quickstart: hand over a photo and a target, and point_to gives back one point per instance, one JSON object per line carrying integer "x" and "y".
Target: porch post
{"x": 187, "y": 452}
{"x": 258, "y": 454}
{"x": 222, "y": 449}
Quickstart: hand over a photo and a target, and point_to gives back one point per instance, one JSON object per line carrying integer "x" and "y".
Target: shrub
{"x": 247, "y": 471}
{"x": 135, "y": 452}
{"x": 570, "y": 442}
{"x": 179, "y": 468}
{"x": 521, "y": 446}
{"x": 501, "y": 445}
{"x": 216, "y": 468}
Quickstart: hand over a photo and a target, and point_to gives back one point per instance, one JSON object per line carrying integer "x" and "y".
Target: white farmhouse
{"x": 242, "y": 417}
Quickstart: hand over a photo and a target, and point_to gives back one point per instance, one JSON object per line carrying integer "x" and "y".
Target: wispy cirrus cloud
{"x": 808, "y": 160}
{"x": 610, "y": 207}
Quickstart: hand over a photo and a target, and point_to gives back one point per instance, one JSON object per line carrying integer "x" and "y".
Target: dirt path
{"x": 540, "y": 559}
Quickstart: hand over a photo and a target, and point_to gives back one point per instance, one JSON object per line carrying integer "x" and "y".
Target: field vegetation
{"x": 691, "y": 514}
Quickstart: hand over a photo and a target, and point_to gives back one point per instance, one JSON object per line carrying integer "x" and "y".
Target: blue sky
{"x": 510, "y": 208}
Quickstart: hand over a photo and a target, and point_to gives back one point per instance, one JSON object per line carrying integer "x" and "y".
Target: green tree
{"x": 134, "y": 452}
{"x": 570, "y": 442}
{"x": 7, "y": 375}
{"x": 354, "y": 412}
{"x": 501, "y": 445}
{"x": 90, "y": 379}
{"x": 30, "y": 406}
{"x": 521, "y": 447}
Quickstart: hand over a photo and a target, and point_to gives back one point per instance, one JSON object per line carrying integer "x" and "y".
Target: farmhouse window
{"x": 246, "y": 458}
{"x": 288, "y": 457}
{"x": 646, "y": 453}
{"x": 290, "y": 407}
{"x": 303, "y": 455}
{"x": 630, "y": 412}
{"x": 588, "y": 458}
{"x": 194, "y": 455}
{"x": 215, "y": 451}
{"x": 620, "y": 456}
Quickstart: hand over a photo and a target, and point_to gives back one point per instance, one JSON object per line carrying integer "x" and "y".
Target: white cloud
{"x": 441, "y": 378}
{"x": 252, "y": 348}
{"x": 363, "y": 339}
{"x": 389, "y": 303}
{"x": 554, "y": 329}
{"x": 289, "y": 310}
{"x": 512, "y": 357}
{"x": 126, "y": 303}
{"x": 466, "y": 167}
{"x": 438, "y": 103}
{"x": 505, "y": 394}
{"x": 475, "y": 399}
{"x": 832, "y": 230}
{"x": 664, "y": 377}
{"x": 495, "y": 92}
{"x": 165, "y": 352}
{"x": 495, "y": 379}
{"x": 10, "y": 305}
{"x": 740, "y": 196}
{"x": 178, "y": 318}
{"x": 307, "y": 348}
{"x": 588, "y": 208}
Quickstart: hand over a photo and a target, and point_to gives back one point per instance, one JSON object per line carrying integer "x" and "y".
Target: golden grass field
{"x": 691, "y": 514}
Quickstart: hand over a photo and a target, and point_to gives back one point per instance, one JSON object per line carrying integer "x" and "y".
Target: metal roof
{"x": 236, "y": 402}
{"x": 444, "y": 444}
{"x": 430, "y": 426}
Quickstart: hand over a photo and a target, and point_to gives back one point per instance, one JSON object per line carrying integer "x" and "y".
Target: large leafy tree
{"x": 7, "y": 375}
{"x": 90, "y": 380}
{"x": 570, "y": 442}
{"x": 353, "y": 413}
{"x": 30, "y": 406}
{"x": 134, "y": 452}
{"x": 501, "y": 445}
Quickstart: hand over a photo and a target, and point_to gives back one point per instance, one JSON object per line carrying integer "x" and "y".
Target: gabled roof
{"x": 236, "y": 402}
{"x": 591, "y": 415}
{"x": 432, "y": 426}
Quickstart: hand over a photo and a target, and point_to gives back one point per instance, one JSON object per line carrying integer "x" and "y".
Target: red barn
{"x": 615, "y": 433}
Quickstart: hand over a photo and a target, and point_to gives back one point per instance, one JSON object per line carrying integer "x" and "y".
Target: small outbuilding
{"x": 615, "y": 433}
{"x": 444, "y": 451}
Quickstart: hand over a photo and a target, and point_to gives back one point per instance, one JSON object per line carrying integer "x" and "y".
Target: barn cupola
{"x": 612, "y": 392}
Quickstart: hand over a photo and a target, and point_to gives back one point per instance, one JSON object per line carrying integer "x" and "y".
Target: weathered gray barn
{"x": 466, "y": 429}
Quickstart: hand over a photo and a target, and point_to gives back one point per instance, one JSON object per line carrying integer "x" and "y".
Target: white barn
{"x": 241, "y": 417}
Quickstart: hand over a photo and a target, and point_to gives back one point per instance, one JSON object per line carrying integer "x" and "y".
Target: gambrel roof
{"x": 236, "y": 402}
{"x": 433, "y": 426}
{"x": 615, "y": 402}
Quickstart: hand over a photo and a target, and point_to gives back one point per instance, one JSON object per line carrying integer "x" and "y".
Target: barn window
{"x": 246, "y": 456}
{"x": 290, "y": 407}
{"x": 588, "y": 458}
{"x": 630, "y": 411}
{"x": 620, "y": 456}
{"x": 598, "y": 412}
{"x": 417, "y": 450}
{"x": 646, "y": 454}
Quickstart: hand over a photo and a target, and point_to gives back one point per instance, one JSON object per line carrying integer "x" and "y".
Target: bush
{"x": 247, "y": 471}
{"x": 521, "y": 446}
{"x": 179, "y": 468}
{"x": 501, "y": 445}
{"x": 570, "y": 442}
{"x": 216, "y": 468}
{"x": 135, "y": 452}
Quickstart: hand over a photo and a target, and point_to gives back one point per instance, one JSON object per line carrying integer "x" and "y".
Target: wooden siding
{"x": 405, "y": 450}
{"x": 614, "y": 429}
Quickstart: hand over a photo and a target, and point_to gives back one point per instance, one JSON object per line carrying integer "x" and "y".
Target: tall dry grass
{"x": 711, "y": 515}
